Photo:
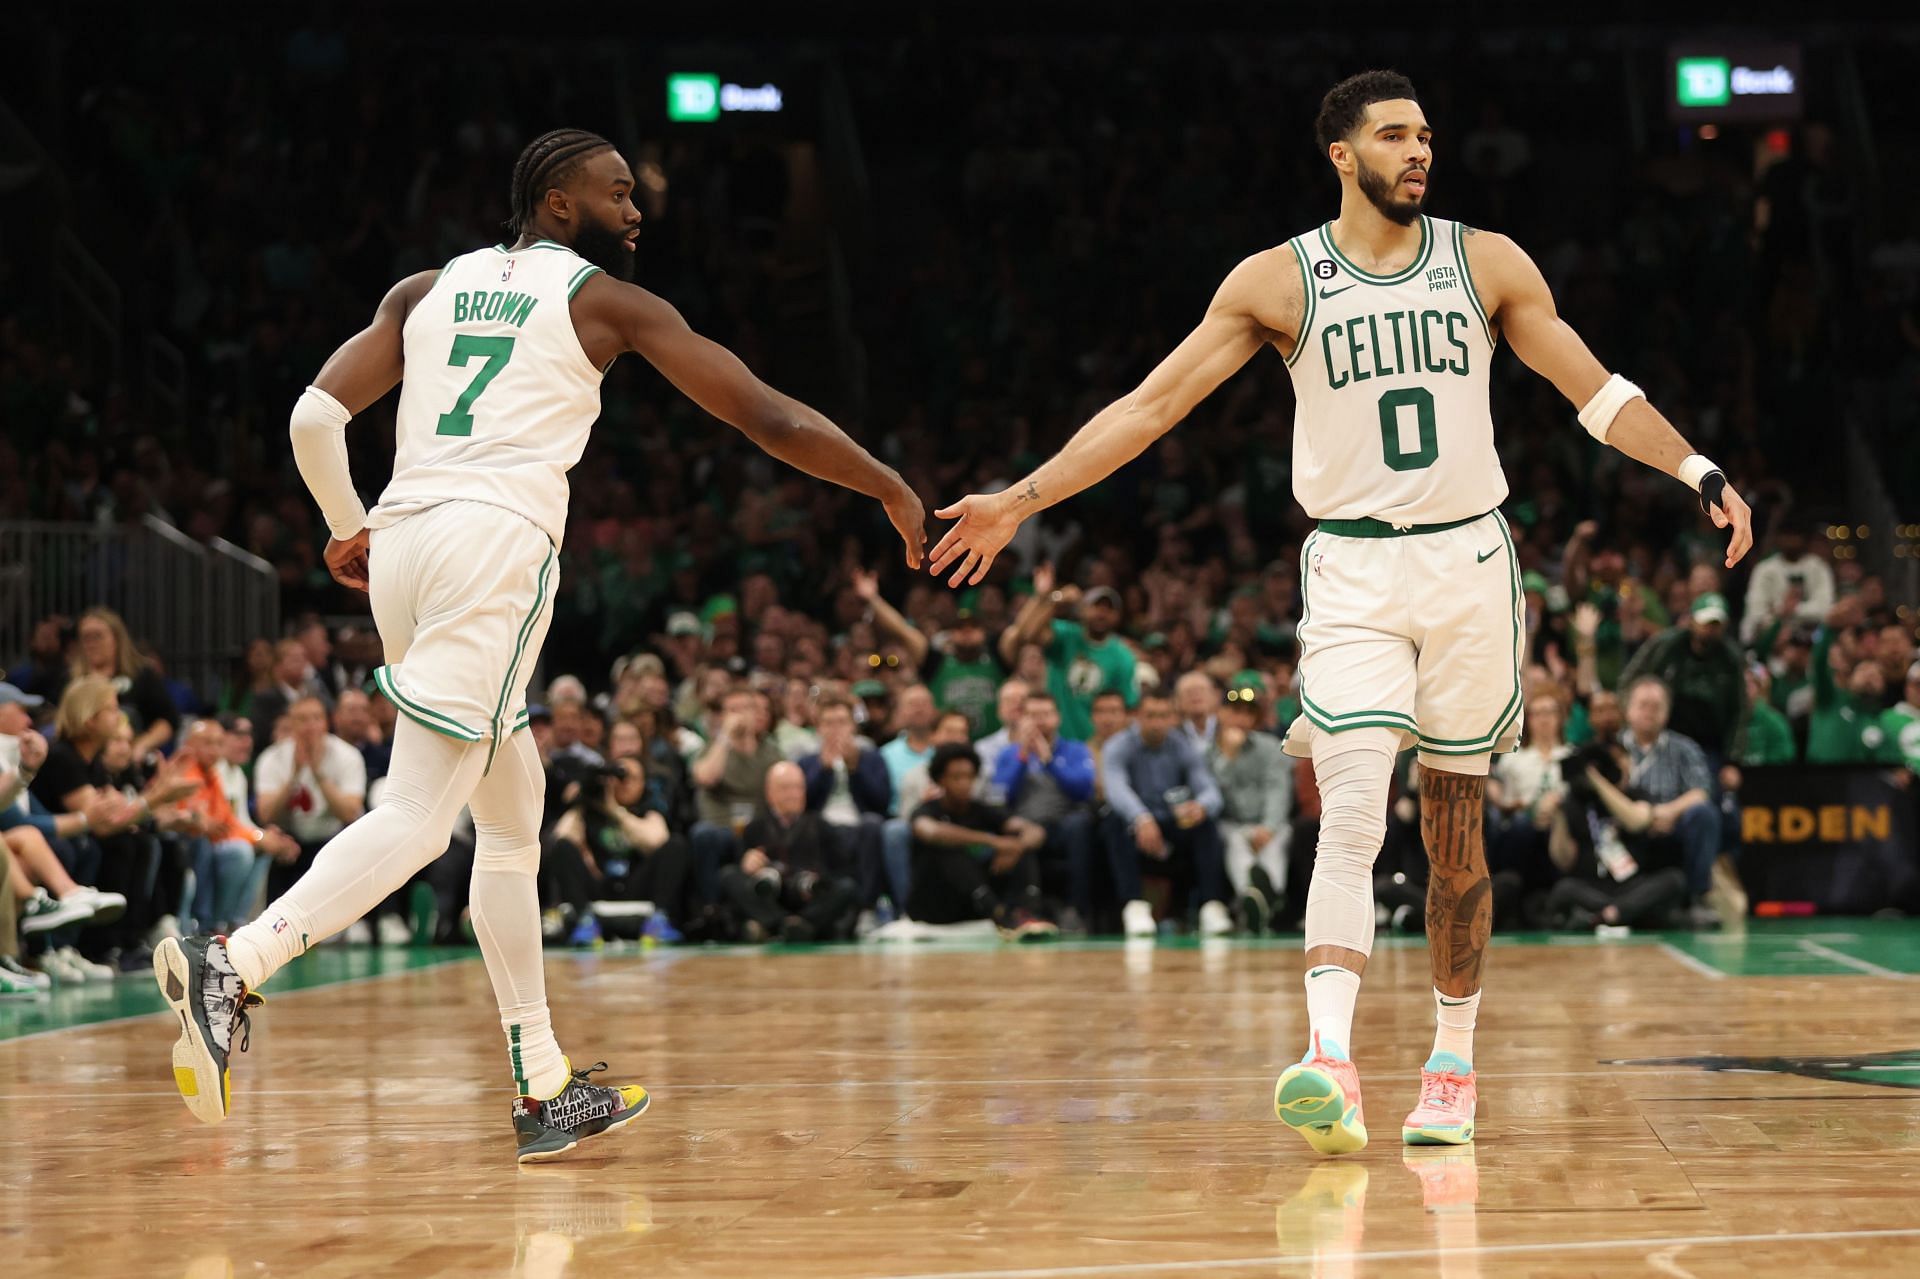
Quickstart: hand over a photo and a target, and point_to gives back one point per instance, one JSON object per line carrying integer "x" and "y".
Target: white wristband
{"x": 1606, "y": 404}
{"x": 318, "y": 429}
{"x": 1695, "y": 469}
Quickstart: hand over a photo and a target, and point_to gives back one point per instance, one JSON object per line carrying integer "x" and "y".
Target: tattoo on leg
{"x": 1459, "y": 891}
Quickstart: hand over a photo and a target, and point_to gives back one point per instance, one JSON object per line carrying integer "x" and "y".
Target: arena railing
{"x": 197, "y": 605}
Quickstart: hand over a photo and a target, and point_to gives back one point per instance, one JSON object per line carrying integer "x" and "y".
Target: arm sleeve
{"x": 1072, "y": 767}
{"x": 1114, "y": 762}
{"x": 318, "y": 429}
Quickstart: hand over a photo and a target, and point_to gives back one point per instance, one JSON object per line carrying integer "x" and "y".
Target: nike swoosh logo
{"x": 1327, "y": 293}
{"x": 1483, "y": 558}
{"x": 1454, "y": 1003}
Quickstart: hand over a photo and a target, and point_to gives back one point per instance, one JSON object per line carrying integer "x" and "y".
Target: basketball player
{"x": 1410, "y": 625}
{"x": 502, "y": 351}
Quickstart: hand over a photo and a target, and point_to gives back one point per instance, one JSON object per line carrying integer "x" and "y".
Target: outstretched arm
{"x": 890, "y": 619}
{"x": 1260, "y": 300}
{"x": 715, "y": 379}
{"x": 1520, "y": 305}
{"x": 365, "y": 368}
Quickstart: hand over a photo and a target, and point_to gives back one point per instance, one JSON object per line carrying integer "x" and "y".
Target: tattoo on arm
{"x": 1031, "y": 494}
{"x": 1459, "y": 892}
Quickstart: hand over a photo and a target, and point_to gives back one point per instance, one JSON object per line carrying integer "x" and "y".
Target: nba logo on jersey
{"x": 280, "y": 925}
{"x": 508, "y": 273}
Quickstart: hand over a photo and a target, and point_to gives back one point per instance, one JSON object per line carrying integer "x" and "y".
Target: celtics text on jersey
{"x": 1390, "y": 374}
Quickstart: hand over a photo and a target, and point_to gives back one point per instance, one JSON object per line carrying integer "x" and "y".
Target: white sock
{"x": 505, "y": 900}
{"x": 1453, "y": 1024}
{"x": 427, "y": 784}
{"x": 539, "y": 1068}
{"x": 1331, "y": 992}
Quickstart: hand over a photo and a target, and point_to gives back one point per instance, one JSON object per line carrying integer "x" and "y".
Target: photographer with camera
{"x": 792, "y": 881}
{"x": 1600, "y": 845}
{"x": 613, "y": 844}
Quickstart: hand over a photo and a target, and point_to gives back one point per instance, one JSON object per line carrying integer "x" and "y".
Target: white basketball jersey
{"x": 498, "y": 396}
{"x": 1390, "y": 375}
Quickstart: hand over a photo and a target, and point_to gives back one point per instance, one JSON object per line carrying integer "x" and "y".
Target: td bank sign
{"x": 1758, "y": 83}
{"x": 1714, "y": 82}
{"x": 698, "y": 98}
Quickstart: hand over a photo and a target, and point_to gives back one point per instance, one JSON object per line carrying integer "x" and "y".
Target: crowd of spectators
{"x": 1048, "y": 217}
{"x": 821, "y": 788}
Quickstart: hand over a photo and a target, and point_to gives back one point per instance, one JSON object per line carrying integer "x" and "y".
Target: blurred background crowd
{"x": 758, "y": 722}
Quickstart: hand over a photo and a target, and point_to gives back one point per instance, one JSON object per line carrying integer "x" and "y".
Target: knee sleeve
{"x": 1352, "y": 770}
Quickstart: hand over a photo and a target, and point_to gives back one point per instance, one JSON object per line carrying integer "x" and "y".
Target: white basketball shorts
{"x": 1417, "y": 630}
{"x": 462, "y": 594}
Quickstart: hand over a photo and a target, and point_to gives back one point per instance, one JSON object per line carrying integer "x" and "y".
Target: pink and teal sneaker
{"x": 1448, "y": 1093}
{"x": 1320, "y": 1098}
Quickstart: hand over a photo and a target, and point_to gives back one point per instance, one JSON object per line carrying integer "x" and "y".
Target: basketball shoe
{"x": 548, "y": 1128}
{"x": 1320, "y": 1096}
{"x": 199, "y": 983}
{"x": 1448, "y": 1093}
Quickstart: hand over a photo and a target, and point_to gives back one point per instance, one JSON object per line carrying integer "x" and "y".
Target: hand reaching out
{"x": 983, "y": 525}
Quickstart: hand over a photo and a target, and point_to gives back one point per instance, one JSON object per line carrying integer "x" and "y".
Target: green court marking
{"x": 1816, "y": 947}
{"x": 135, "y": 994}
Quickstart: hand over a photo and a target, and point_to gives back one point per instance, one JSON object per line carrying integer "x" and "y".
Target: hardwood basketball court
{"x": 983, "y": 1111}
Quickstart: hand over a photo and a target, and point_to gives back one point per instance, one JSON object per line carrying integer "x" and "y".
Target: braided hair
{"x": 549, "y": 161}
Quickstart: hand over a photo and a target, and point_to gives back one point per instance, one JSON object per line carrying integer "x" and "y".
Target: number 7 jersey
{"x": 497, "y": 397}
{"x": 1390, "y": 377}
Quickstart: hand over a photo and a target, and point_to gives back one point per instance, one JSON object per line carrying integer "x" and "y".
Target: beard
{"x": 1379, "y": 191}
{"x": 606, "y": 248}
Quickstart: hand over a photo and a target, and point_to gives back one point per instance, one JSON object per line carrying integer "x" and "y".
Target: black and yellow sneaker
{"x": 199, "y": 983}
{"x": 550, "y": 1128}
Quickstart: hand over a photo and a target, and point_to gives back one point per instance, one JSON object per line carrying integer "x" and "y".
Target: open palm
{"x": 983, "y": 525}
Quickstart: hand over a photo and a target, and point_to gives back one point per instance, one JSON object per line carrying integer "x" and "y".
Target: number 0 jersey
{"x": 498, "y": 397}
{"x": 1390, "y": 377}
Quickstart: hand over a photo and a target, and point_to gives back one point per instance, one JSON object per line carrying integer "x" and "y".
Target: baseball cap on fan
{"x": 1103, "y": 595}
{"x": 684, "y": 623}
{"x": 9, "y": 694}
{"x": 1710, "y": 607}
